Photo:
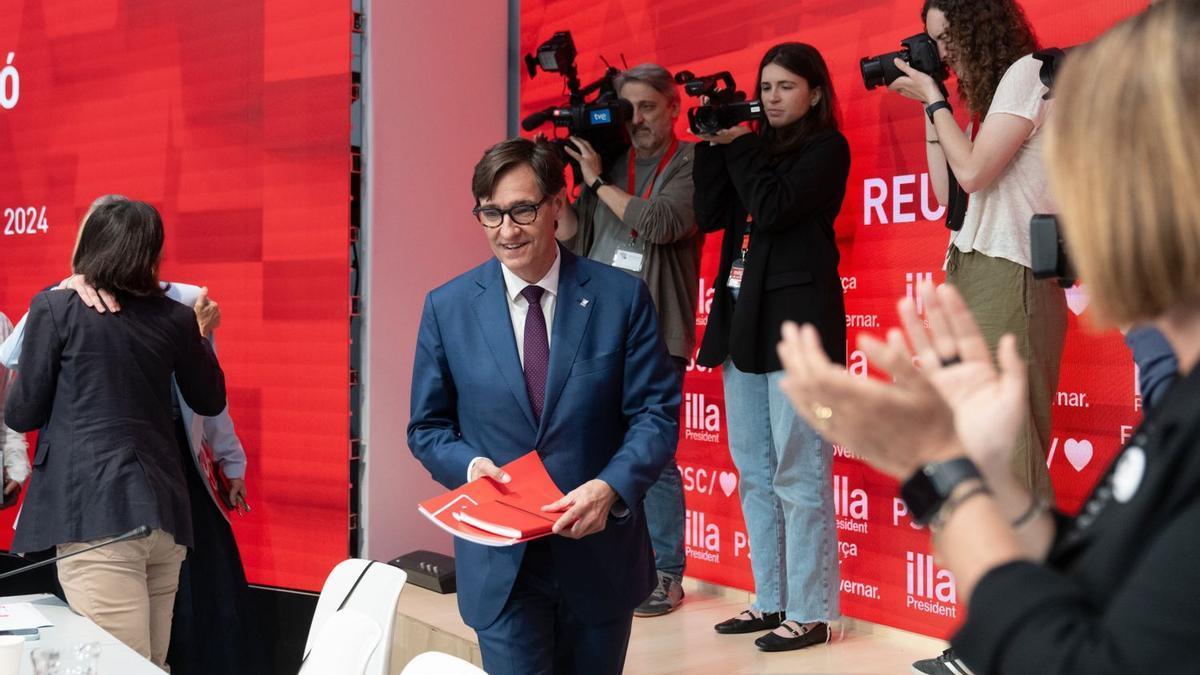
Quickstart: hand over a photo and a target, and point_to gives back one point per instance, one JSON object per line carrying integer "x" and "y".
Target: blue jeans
{"x": 786, "y": 486}
{"x": 665, "y": 510}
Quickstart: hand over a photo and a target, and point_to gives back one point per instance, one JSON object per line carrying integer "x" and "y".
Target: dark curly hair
{"x": 985, "y": 37}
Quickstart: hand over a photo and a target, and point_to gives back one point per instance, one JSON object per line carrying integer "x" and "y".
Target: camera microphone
{"x": 684, "y": 76}
{"x": 139, "y": 532}
{"x": 537, "y": 119}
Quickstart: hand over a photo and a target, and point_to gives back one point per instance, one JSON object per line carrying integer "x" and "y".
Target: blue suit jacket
{"x": 611, "y": 412}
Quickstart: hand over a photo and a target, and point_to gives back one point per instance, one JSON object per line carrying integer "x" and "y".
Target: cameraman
{"x": 775, "y": 194}
{"x": 639, "y": 219}
{"x": 989, "y": 46}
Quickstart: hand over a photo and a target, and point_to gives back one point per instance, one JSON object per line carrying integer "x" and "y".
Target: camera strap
{"x": 662, "y": 164}
{"x": 956, "y": 205}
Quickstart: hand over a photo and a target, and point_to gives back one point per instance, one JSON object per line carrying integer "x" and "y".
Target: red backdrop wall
{"x": 890, "y": 238}
{"x": 232, "y": 117}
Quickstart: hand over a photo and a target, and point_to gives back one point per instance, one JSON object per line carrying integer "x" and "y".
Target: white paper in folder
{"x": 20, "y": 618}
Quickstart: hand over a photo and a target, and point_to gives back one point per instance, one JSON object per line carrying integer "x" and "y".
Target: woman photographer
{"x": 989, "y": 45}
{"x": 98, "y": 387}
{"x": 775, "y": 194}
{"x": 1113, "y": 590}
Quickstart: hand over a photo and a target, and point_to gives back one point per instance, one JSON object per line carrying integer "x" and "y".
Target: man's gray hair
{"x": 653, "y": 75}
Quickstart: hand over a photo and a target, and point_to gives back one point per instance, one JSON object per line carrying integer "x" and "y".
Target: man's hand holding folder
{"x": 519, "y": 502}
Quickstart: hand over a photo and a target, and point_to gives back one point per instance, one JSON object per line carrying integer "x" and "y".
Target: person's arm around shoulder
{"x": 667, "y": 217}
{"x": 197, "y": 371}
{"x": 433, "y": 427}
{"x": 779, "y": 196}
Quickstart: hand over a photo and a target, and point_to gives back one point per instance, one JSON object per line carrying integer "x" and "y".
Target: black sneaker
{"x": 946, "y": 664}
{"x": 799, "y": 638}
{"x": 746, "y": 622}
{"x": 663, "y": 599}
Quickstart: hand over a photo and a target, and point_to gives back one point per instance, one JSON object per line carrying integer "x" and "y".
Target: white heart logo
{"x": 1079, "y": 453}
{"x": 1077, "y": 299}
{"x": 728, "y": 482}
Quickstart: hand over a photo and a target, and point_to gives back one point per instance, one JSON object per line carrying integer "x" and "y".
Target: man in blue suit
{"x": 540, "y": 349}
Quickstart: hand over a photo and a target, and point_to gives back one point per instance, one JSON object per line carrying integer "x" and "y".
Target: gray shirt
{"x": 668, "y": 239}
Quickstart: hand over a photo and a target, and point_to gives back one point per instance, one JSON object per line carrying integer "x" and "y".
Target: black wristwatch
{"x": 932, "y": 108}
{"x": 931, "y": 485}
{"x": 598, "y": 183}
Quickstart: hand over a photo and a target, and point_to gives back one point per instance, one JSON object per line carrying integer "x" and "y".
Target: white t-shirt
{"x": 997, "y": 219}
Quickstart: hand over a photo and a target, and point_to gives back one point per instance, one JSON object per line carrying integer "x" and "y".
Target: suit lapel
{"x": 491, "y": 310}
{"x": 572, "y": 311}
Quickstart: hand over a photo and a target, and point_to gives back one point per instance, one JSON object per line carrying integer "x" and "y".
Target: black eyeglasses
{"x": 521, "y": 214}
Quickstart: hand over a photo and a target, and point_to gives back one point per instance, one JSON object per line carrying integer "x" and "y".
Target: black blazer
{"x": 99, "y": 388}
{"x": 1120, "y": 590}
{"x": 791, "y": 267}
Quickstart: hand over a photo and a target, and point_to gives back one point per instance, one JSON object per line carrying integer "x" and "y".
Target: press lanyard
{"x": 746, "y": 237}
{"x": 662, "y": 164}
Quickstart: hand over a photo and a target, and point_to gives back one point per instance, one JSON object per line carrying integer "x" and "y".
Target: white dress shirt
{"x": 518, "y": 309}
{"x": 518, "y": 306}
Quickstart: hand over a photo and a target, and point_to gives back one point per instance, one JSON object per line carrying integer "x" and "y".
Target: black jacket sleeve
{"x": 1028, "y": 618}
{"x": 775, "y": 194}
{"x": 197, "y": 371}
{"x": 714, "y": 199}
{"x": 32, "y": 395}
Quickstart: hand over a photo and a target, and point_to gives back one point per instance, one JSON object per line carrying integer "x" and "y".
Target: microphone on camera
{"x": 139, "y": 532}
{"x": 537, "y": 119}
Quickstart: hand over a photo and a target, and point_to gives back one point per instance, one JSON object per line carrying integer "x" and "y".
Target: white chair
{"x": 353, "y": 626}
{"x": 437, "y": 663}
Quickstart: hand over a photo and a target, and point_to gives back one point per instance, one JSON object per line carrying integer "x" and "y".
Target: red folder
{"x": 487, "y": 512}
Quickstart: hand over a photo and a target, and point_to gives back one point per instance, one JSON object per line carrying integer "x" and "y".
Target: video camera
{"x": 600, "y": 121}
{"x": 1048, "y": 249}
{"x": 726, "y": 107}
{"x": 918, "y": 51}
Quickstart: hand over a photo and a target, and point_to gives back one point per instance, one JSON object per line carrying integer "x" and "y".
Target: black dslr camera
{"x": 600, "y": 121}
{"x": 918, "y": 51}
{"x": 726, "y": 108}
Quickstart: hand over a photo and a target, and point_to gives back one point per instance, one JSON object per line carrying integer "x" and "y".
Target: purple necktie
{"x": 537, "y": 350}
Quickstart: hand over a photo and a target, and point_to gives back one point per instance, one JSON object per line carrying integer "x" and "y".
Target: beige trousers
{"x": 128, "y": 589}
{"x": 1005, "y": 298}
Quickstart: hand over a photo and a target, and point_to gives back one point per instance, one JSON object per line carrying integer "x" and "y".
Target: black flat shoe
{"x": 799, "y": 639}
{"x": 748, "y": 623}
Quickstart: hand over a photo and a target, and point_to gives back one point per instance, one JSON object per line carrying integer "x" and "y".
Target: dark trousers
{"x": 537, "y": 634}
{"x": 215, "y": 629}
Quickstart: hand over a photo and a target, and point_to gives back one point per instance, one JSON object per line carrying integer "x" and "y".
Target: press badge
{"x": 628, "y": 260}
{"x": 735, "y": 274}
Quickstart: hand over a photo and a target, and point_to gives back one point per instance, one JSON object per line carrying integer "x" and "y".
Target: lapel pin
{"x": 583, "y": 302}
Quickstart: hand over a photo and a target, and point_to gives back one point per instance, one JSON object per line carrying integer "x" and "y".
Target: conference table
{"x": 70, "y": 629}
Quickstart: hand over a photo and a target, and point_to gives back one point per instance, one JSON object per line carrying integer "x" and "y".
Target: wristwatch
{"x": 598, "y": 183}
{"x": 932, "y": 108}
{"x": 931, "y": 485}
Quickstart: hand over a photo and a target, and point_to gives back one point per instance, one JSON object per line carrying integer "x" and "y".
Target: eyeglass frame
{"x": 478, "y": 213}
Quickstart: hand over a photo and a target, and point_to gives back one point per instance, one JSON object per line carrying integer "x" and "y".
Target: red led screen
{"x": 233, "y": 118}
